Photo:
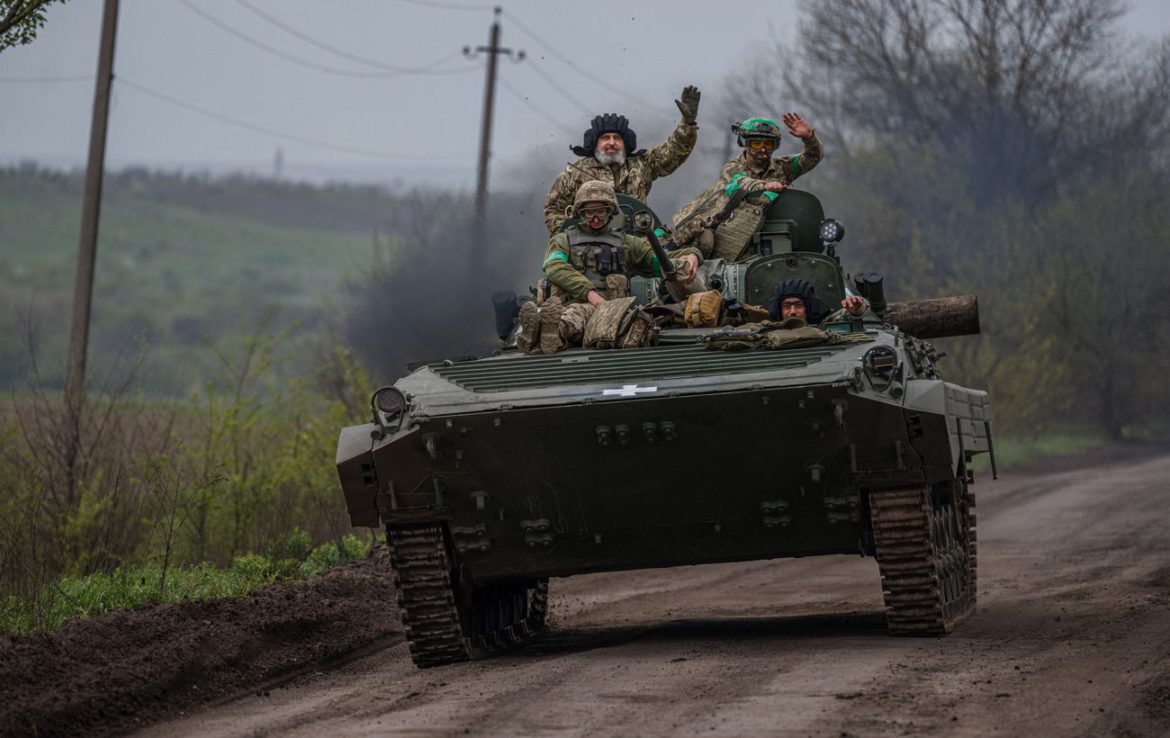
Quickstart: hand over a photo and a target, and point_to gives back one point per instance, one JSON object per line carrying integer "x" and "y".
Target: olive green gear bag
{"x": 792, "y": 333}
{"x": 704, "y": 309}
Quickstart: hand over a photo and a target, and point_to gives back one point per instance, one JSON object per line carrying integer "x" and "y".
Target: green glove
{"x": 689, "y": 104}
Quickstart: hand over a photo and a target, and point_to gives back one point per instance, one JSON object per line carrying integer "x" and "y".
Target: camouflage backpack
{"x": 619, "y": 324}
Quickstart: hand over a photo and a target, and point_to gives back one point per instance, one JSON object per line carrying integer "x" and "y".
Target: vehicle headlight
{"x": 388, "y": 401}
{"x": 831, "y": 231}
{"x": 880, "y": 360}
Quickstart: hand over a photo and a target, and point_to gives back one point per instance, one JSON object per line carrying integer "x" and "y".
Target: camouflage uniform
{"x": 738, "y": 174}
{"x": 582, "y": 259}
{"x": 633, "y": 178}
{"x": 578, "y": 261}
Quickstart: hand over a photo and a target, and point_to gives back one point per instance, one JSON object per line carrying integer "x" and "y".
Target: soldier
{"x": 587, "y": 264}
{"x": 610, "y": 153}
{"x": 796, "y": 298}
{"x": 754, "y": 171}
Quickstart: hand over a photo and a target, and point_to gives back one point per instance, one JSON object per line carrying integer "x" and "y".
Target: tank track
{"x": 448, "y": 619}
{"x": 925, "y": 548}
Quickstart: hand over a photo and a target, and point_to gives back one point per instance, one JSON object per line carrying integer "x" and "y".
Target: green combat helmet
{"x": 595, "y": 190}
{"x": 756, "y": 127}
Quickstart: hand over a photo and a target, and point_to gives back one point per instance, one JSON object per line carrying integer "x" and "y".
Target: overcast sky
{"x": 196, "y": 95}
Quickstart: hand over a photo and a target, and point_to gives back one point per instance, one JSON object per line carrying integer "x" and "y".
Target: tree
{"x": 1017, "y": 89}
{"x": 1013, "y": 148}
{"x": 21, "y": 19}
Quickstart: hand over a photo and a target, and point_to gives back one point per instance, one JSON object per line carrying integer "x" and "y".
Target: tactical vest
{"x": 596, "y": 255}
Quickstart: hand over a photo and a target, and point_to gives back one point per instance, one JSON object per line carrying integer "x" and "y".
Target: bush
{"x": 329, "y": 555}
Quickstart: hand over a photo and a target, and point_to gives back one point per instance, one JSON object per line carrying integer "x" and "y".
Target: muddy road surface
{"x": 1072, "y": 638}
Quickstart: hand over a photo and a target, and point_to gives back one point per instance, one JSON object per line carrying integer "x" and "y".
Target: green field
{"x": 172, "y": 276}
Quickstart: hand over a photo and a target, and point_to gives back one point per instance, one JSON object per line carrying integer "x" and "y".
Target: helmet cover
{"x": 595, "y": 190}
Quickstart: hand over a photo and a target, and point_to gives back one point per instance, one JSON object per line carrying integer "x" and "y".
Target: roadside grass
{"x": 1014, "y": 449}
{"x": 291, "y": 559}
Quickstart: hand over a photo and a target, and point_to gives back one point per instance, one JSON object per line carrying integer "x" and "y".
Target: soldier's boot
{"x": 551, "y": 338}
{"x": 528, "y": 339}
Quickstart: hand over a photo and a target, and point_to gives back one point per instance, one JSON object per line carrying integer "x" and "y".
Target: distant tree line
{"x": 1012, "y": 148}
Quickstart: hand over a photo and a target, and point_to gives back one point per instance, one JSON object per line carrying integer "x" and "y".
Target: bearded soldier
{"x": 589, "y": 263}
{"x": 752, "y": 176}
{"x": 610, "y": 153}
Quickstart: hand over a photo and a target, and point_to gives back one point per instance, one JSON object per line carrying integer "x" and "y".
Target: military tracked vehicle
{"x": 493, "y": 474}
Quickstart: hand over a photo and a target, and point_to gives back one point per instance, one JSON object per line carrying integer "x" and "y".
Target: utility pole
{"x": 493, "y": 50}
{"x": 87, "y": 243}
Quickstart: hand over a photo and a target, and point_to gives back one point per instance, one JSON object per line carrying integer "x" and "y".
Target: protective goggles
{"x": 596, "y": 211}
{"x": 761, "y": 144}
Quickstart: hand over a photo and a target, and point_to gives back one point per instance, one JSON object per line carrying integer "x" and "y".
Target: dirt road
{"x": 1072, "y": 637}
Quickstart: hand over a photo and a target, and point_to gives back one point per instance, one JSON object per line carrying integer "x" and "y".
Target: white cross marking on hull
{"x": 628, "y": 390}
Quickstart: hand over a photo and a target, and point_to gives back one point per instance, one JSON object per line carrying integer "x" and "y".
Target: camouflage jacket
{"x": 633, "y": 178}
{"x": 737, "y": 174}
{"x": 565, "y": 270}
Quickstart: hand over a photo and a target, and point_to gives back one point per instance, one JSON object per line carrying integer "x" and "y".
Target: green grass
{"x": 1015, "y": 450}
{"x": 132, "y": 588}
{"x": 169, "y": 277}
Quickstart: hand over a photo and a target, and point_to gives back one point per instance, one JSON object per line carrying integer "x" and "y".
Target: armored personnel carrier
{"x": 493, "y": 474}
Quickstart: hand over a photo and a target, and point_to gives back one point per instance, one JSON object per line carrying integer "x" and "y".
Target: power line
{"x": 448, "y": 6}
{"x": 599, "y": 81}
{"x": 509, "y": 87}
{"x": 557, "y": 86}
{"x": 39, "y": 80}
{"x": 121, "y": 79}
{"x": 424, "y": 69}
{"x": 296, "y": 59}
{"x": 569, "y": 62}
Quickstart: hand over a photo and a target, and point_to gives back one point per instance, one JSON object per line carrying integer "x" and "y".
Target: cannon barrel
{"x": 939, "y": 317}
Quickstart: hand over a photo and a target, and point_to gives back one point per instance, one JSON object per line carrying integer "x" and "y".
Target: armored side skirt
{"x": 639, "y": 483}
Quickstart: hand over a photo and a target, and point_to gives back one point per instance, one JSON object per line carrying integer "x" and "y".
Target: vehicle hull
{"x": 681, "y": 477}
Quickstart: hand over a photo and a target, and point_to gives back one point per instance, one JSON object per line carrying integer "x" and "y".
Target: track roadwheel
{"x": 925, "y": 541}
{"x": 447, "y": 617}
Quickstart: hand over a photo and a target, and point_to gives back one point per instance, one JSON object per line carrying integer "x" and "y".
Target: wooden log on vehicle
{"x": 939, "y": 317}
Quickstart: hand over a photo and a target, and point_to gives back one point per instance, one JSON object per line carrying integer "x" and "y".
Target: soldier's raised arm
{"x": 801, "y": 163}
{"x": 668, "y": 156}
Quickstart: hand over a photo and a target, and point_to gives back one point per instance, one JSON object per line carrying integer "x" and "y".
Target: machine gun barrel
{"x": 669, "y": 273}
